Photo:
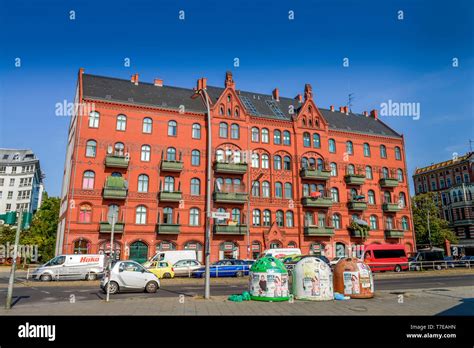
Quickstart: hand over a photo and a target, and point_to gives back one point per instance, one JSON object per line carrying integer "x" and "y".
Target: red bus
{"x": 386, "y": 257}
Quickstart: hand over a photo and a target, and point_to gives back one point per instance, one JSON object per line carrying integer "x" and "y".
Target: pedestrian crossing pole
{"x": 8, "y": 303}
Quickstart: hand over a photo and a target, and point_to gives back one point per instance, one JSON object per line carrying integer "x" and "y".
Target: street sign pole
{"x": 8, "y": 303}
{"x": 111, "y": 218}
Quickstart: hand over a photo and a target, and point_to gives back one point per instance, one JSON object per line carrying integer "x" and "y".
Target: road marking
{"x": 45, "y": 292}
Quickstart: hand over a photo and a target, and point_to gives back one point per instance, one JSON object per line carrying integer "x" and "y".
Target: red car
{"x": 386, "y": 257}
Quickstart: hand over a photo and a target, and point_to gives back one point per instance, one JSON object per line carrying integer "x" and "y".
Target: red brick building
{"x": 295, "y": 174}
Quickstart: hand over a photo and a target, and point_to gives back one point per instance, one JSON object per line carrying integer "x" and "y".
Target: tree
{"x": 439, "y": 228}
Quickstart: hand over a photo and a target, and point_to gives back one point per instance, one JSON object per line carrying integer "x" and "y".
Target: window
{"x": 335, "y": 194}
{"x": 167, "y": 215}
{"x": 279, "y": 218}
{"x": 466, "y": 177}
{"x": 389, "y": 223}
{"x": 371, "y": 196}
{"x": 221, "y": 110}
{"x": 277, "y": 162}
{"x": 223, "y": 130}
{"x": 383, "y": 151}
{"x": 94, "y": 119}
{"x": 265, "y": 161}
{"x": 81, "y": 246}
{"x": 288, "y": 191}
{"x": 349, "y": 147}
{"x": 194, "y": 217}
{"x": 119, "y": 149}
{"x": 333, "y": 167}
{"x": 172, "y": 128}
{"x": 145, "y": 154}
{"x": 255, "y": 188}
{"x": 234, "y": 131}
{"x": 366, "y": 150}
{"x": 265, "y": 135}
{"x": 404, "y": 223}
{"x": 332, "y": 146}
{"x": 121, "y": 122}
{"x": 236, "y": 215}
{"x": 336, "y": 221}
{"x": 195, "y": 187}
{"x": 320, "y": 164}
{"x": 289, "y": 218}
{"x": 368, "y": 172}
{"x": 278, "y": 190}
{"x": 316, "y": 140}
{"x": 140, "y": 215}
{"x": 277, "y": 137}
{"x": 91, "y": 148}
{"x": 267, "y": 218}
{"x": 171, "y": 154}
{"x": 255, "y": 160}
{"x": 400, "y": 175}
{"x": 88, "y": 180}
{"x": 143, "y": 183}
{"x": 255, "y": 134}
{"x": 387, "y": 197}
{"x": 169, "y": 184}
{"x": 265, "y": 189}
{"x": 402, "y": 201}
{"x": 236, "y": 112}
{"x": 350, "y": 169}
{"x": 196, "y": 132}
{"x": 306, "y": 139}
{"x": 373, "y": 222}
{"x": 147, "y": 125}
{"x": 398, "y": 153}
{"x": 195, "y": 158}
{"x": 256, "y": 217}
{"x": 286, "y": 138}
{"x": 385, "y": 173}
{"x": 85, "y": 213}
{"x": 308, "y": 219}
{"x": 287, "y": 163}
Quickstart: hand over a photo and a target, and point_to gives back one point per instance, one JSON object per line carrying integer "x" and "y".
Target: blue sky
{"x": 407, "y": 60}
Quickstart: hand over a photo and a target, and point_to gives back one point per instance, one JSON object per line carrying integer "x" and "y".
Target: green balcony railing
{"x": 230, "y": 197}
{"x": 116, "y": 161}
{"x": 315, "y": 174}
{"x": 115, "y": 188}
{"x": 354, "y": 179}
{"x": 168, "y": 228}
{"x": 171, "y": 166}
{"x": 357, "y": 205}
{"x": 230, "y": 168}
{"x": 390, "y": 207}
{"x": 165, "y": 196}
{"x": 386, "y": 182}
{"x": 393, "y": 233}
{"x": 230, "y": 229}
{"x": 105, "y": 227}
{"x": 325, "y": 231}
{"x": 319, "y": 202}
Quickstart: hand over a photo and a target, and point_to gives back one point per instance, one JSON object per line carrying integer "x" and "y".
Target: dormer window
{"x": 229, "y": 112}
{"x": 236, "y": 112}
{"x": 228, "y": 98}
{"x": 221, "y": 110}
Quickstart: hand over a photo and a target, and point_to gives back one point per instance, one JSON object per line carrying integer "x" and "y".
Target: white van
{"x": 282, "y": 252}
{"x": 172, "y": 256}
{"x": 77, "y": 266}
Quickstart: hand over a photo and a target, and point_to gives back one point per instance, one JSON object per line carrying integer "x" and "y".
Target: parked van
{"x": 282, "y": 252}
{"x": 386, "y": 257}
{"x": 172, "y": 256}
{"x": 430, "y": 258}
{"x": 77, "y": 266}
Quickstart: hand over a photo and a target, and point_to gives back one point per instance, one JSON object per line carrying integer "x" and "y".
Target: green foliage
{"x": 363, "y": 230}
{"x": 440, "y": 231}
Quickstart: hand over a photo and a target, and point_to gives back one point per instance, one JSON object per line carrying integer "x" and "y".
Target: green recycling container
{"x": 268, "y": 280}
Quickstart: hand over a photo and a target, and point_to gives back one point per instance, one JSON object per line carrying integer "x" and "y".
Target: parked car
{"x": 386, "y": 257}
{"x": 172, "y": 256}
{"x": 162, "y": 269}
{"x": 467, "y": 260}
{"x": 424, "y": 259}
{"x": 282, "y": 252}
{"x": 74, "y": 266}
{"x": 225, "y": 268}
{"x": 129, "y": 275}
{"x": 185, "y": 268}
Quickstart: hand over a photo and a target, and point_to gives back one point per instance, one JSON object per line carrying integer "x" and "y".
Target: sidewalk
{"x": 448, "y": 301}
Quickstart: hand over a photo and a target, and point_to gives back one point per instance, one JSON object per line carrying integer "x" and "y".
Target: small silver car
{"x": 129, "y": 275}
{"x": 185, "y": 268}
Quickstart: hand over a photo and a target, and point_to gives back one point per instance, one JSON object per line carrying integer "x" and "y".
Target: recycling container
{"x": 312, "y": 280}
{"x": 353, "y": 278}
{"x": 268, "y": 280}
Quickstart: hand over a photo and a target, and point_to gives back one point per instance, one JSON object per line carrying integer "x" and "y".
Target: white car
{"x": 129, "y": 275}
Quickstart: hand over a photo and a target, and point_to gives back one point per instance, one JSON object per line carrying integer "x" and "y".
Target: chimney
{"x": 341, "y": 109}
{"x": 201, "y": 83}
{"x": 276, "y": 94}
{"x": 134, "y": 79}
{"x": 331, "y": 108}
{"x": 346, "y": 110}
{"x": 374, "y": 113}
{"x": 158, "y": 82}
{"x": 366, "y": 114}
{"x": 299, "y": 98}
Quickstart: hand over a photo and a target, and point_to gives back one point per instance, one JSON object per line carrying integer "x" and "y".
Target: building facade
{"x": 452, "y": 181}
{"x": 289, "y": 174}
{"x": 21, "y": 183}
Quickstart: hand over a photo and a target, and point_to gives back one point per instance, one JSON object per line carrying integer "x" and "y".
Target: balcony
{"x": 388, "y": 182}
{"x": 325, "y": 231}
{"x": 317, "y": 202}
{"x": 230, "y": 197}
{"x": 358, "y": 233}
{"x": 105, "y": 227}
{"x": 167, "y": 196}
{"x": 230, "y": 168}
{"x": 390, "y": 207}
{"x": 115, "y": 188}
{"x": 315, "y": 174}
{"x": 116, "y": 161}
{"x": 171, "y": 166}
{"x": 393, "y": 233}
{"x": 230, "y": 229}
{"x": 354, "y": 179}
{"x": 167, "y": 228}
{"x": 357, "y": 205}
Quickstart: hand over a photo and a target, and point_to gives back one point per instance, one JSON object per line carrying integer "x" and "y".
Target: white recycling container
{"x": 312, "y": 280}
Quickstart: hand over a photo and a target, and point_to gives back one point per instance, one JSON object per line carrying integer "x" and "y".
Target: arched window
{"x": 196, "y": 133}
{"x": 223, "y": 130}
{"x": 81, "y": 246}
{"x": 265, "y": 161}
{"x": 172, "y": 128}
{"x": 349, "y": 147}
{"x": 385, "y": 173}
{"x": 277, "y": 162}
{"x": 371, "y": 196}
{"x": 316, "y": 140}
{"x": 404, "y": 223}
{"x": 305, "y": 190}
{"x": 353, "y": 193}
{"x": 88, "y": 180}
{"x": 147, "y": 125}
{"x": 234, "y": 131}
{"x": 255, "y": 160}
{"x": 91, "y": 148}
{"x": 320, "y": 164}
{"x": 336, "y": 221}
{"x": 398, "y": 153}
{"x": 171, "y": 154}
{"x": 373, "y": 222}
{"x": 280, "y": 218}
{"x": 366, "y": 150}
{"x": 169, "y": 184}
{"x": 278, "y": 190}
{"x": 286, "y": 163}
{"x": 276, "y": 137}
{"x": 255, "y": 134}
{"x": 221, "y": 110}
{"x": 389, "y": 223}
{"x": 289, "y": 219}
{"x": 119, "y": 149}
{"x": 121, "y": 122}
{"x": 288, "y": 190}
{"x": 255, "y": 188}
{"x": 306, "y": 139}
{"x": 265, "y": 135}
{"x": 333, "y": 167}
{"x": 286, "y": 138}
{"x": 335, "y": 194}
{"x": 304, "y": 163}
{"x": 167, "y": 215}
{"x": 143, "y": 183}
{"x": 265, "y": 189}
{"x": 194, "y": 217}
{"x": 383, "y": 151}
{"x": 308, "y": 218}
{"x": 368, "y": 172}
{"x": 402, "y": 201}
{"x": 236, "y": 112}
{"x": 267, "y": 217}
{"x": 220, "y": 155}
{"x": 220, "y": 221}
{"x": 94, "y": 119}
{"x": 145, "y": 154}
{"x": 195, "y": 158}
{"x": 387, "y": 197}
{"x": 236, "y": 215}
{"x": 350, "y": 169}
{"x": 140, "y": 215}
{"x": 195, "y": 187}
{"x": 400, "y": 175}
{"x": 85, "y": 213}
{"x": 332, "y": 145}
{"x": 256, "y": 217}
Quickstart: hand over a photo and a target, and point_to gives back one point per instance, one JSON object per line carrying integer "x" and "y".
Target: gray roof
{"x": 261, "y": 105}
{"x": 16, "y": 156}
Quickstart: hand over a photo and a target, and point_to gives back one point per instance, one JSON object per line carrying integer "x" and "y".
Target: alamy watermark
{"x": 66, "y": 108}
{"x": 393, "y": 108}
{"x": 30, "y": 252}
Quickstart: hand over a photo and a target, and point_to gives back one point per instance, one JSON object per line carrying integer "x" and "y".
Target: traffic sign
{"x": 220, "y": 215}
